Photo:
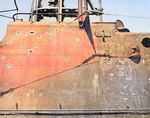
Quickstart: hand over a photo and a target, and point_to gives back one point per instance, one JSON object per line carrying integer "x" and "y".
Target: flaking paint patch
{"x": 4, "y": 57}
{"x": 77, "y": 39}
{"x": 101, "y": 61}
{"x": 67, "y": 58}
{"x": 28, "y": 94}
{"x": 123, "y": 68}
{"x": 111, "y": 74}
{"x": 9, "y": 66}
{"x": 97, "y": 52}
{"x": 9, "y": 42}
{"x": 40, "y": 94}
{"x": 143, "y": 61}
{"x": 110, "y": 61}
{"x": 95, "y": 81}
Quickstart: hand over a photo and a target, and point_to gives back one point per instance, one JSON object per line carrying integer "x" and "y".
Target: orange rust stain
{"x": 37, "y": 51}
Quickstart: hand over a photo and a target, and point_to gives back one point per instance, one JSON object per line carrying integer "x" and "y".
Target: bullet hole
{"x": 40, "y": 36}
{"x": 68, "y": 30}
{"x": 72, "y": 30}
{"x": 52, "y": 33}
{"x": 146, "y": 42}
{"x": 128, "y": 107}
{"x": 77, "y": 39}
{"x": 26, "y": 34}
{"x": 31, "y": 32}
{"x": 48, "y": 32}
{"x": 18, "y": 32}
{"x": 30, "y": 51}
{"x": 36, "y": 45}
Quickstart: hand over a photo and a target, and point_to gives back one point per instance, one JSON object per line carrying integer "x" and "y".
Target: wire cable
{"x": 127, "y": 16}
{"x": 8, "y": 10}
{"x": 6, "y": 16}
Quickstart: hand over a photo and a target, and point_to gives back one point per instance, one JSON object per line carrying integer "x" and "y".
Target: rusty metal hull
{"x": 53, "y": 67}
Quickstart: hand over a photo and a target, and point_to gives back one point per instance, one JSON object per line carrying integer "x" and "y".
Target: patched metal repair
{"x": 36, "y": 45}
{"x": 77, "y": 39}
{"x": 56, "y": 63}
{"x": 10, "y": 42}
{"x": 4, "y": 57}
{"x": 96, "y": 52}
{"x": 9, "y": 66}
{"x": 67, "y": 58}
{"x": 30, "y": 51}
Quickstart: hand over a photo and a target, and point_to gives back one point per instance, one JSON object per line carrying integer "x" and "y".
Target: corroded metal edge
{"x": 75, "y": 112}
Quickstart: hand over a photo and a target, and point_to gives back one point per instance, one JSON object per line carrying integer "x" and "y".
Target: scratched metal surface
{"x": 96, "y": 116}
{"x": 43, "y": 65}
{"x": 75, "y": 113}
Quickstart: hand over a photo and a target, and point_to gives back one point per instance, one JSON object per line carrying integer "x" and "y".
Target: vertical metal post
{"x": 36, "y": 6}
{"x": 85, "y": 5}
{"x": 80, "y": 7}
{"x": 84, "y": 8}
{"x": 31, "y": 11}
{"x": 59, "y": 11}
{"x": 100, "y": 7}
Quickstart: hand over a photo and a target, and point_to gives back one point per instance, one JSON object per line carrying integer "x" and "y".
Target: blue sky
{"x": 140, "y": 8}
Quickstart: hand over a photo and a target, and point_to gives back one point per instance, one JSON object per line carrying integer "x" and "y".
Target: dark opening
{"x": 135, "y": 56}
{"x": 124, "y": 30}
{"x": 146, "y": 42}
{"x": 31, "y": 32}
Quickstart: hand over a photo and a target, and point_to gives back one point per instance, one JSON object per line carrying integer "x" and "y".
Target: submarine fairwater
{"x": 73, "y": 69}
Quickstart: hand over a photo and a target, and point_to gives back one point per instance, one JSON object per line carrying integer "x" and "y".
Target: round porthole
{"x": 146, "y": 42}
